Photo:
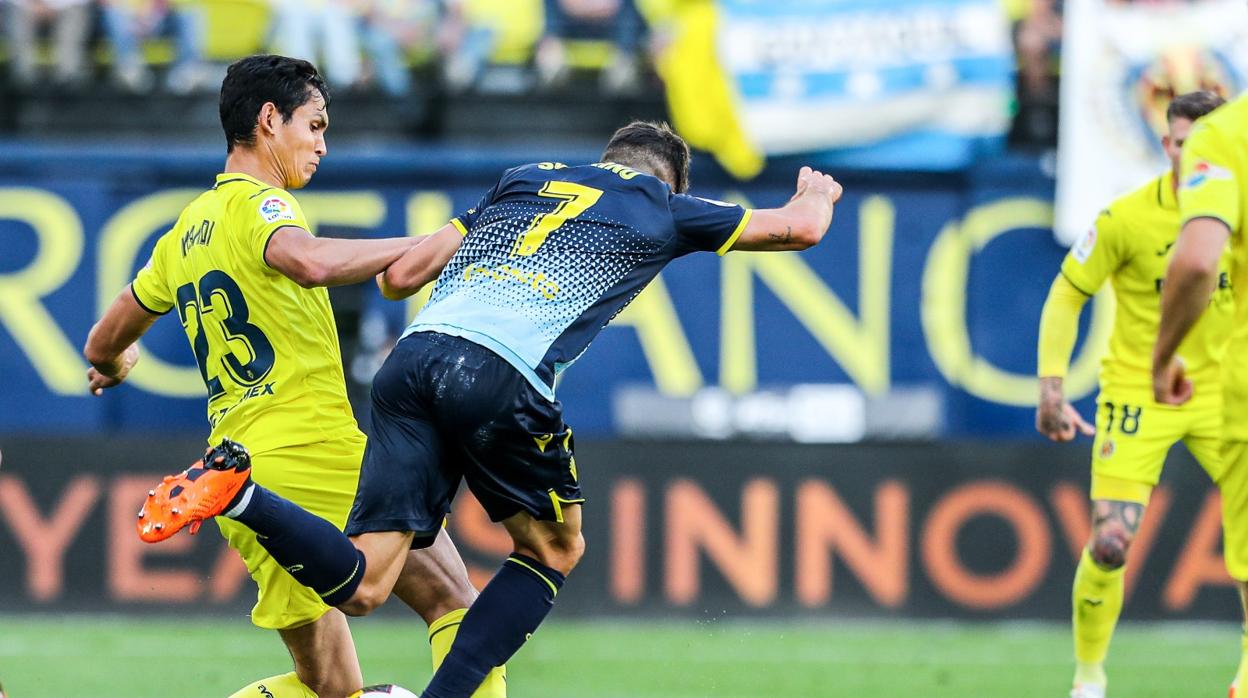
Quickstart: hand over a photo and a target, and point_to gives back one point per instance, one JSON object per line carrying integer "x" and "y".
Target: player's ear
{"x": 268, "y": 118}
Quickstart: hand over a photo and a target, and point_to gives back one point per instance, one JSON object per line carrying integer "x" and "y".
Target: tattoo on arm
{"x": 786, "y": 237}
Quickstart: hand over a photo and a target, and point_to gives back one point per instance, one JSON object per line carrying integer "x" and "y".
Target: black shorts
{"x": 445, "y": 408}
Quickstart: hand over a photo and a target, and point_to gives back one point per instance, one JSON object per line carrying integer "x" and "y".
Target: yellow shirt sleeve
{"x": 1059, "y": 327}
{"x": 151, "y": 287}
{"x": 1207, "y": 181}
{"x": 274, "y": 209}
{"x": 1095, "y": 256}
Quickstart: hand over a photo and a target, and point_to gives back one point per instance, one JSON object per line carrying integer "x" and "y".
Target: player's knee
{"x": 565, "y": 552}
{"x": 1109, "y": 548}
{"x": 364, "y": 601}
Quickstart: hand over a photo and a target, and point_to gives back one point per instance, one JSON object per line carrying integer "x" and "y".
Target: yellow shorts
{"x": 1234, "y": 486}
{"x": 319, "y": 477}
{"x": 1134, "y": 436}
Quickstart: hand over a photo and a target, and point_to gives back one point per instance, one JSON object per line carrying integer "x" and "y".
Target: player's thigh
{"x": 406, "y": 483}
{"x": 1204, "y": 437}
{"x": 1234, "y": 487}
{"x": 321, "y": 479}
{"x": 1131, "y": 444}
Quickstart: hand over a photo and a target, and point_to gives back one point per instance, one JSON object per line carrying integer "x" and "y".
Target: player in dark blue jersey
{"x": 525, "y": 280}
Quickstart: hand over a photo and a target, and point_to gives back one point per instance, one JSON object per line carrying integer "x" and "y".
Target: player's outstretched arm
{"x": 1056, "y": 418}
{"x": 1190, "y": 281}
{"x": 800, "y": 223}
{"x": 311, "y": 261}
{"x": 111, "y": 347}
{"x": 421, "y": 264}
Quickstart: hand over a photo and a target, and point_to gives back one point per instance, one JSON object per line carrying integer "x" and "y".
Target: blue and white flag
{"x": 886, "y": 83}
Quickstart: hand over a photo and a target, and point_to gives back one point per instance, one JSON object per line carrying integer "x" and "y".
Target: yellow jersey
{"x": 1214, "y": 184}
{"x": 267, "y": 348}
{"x": 1130, "y": 244}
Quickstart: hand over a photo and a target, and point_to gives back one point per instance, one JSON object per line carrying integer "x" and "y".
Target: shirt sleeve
{"x": 464, "y": 221}
{"x": 274, "y": 209}
{"x": 151, "y": 287}
{"x": 1208, "y": 176}
{"x": 706, "y": 224}
{"x": 1059, "y": 327}
{"x": 1096, "y": 255}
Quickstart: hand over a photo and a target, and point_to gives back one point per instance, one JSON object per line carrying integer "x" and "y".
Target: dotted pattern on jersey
{"x": 583, "y": 258}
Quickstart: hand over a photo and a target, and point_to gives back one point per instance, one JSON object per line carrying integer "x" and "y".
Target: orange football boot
{"x": 201, "y": 491}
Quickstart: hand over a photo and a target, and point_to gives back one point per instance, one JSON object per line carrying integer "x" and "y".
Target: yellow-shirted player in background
{"x": 246, "y": 278}
{"x": 1129, "y": 245}
{"x": 1213, "y": 207}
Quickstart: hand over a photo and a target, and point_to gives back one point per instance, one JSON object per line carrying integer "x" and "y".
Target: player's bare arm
{"x": 799, "y": 224}
{"x": 1190, "y": 281}
{"x": 421, "y": 264}
{"x": 111, "y": 347}
{"x": 311, "y": 261}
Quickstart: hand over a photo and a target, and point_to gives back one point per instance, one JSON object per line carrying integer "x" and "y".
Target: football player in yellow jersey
{"x": 1129, "y": 245}
{"x": 1213, "y": 208}
{"x": 246, "y": 278}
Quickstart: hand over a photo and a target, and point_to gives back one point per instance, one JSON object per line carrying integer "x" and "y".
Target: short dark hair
{"x": 652, "y": 146}
{"x": 1193, "y": 105}
{"x": 250, "y": 82}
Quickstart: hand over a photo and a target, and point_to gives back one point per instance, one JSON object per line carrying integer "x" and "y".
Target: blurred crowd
{"x": 361, "y": 45}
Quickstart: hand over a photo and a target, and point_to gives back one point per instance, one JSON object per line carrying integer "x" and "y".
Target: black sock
{"x": 310, "y": 548}
{"x": 497, "y": 624}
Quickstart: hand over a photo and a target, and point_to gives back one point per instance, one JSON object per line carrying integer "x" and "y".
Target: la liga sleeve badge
{"x": 275, "y": 208}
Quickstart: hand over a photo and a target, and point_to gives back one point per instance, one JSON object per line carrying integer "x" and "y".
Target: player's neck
{"x": 247, "y": 161}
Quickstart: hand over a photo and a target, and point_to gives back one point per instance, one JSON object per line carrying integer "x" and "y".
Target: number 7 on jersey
{"x": 575, "y": 200}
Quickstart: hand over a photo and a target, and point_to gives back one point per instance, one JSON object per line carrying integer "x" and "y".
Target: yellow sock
{"x": 1097, "y": 602}
{"x": 1241, "y": 676}
{"x": 442, "y": 635}
{"x": 284, "y": 686}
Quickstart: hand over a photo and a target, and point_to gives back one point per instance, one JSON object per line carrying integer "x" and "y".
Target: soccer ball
{"x": 382, "y": 690}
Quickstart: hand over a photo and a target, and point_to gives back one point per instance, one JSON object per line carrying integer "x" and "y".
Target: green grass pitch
{"x": 107, "y": 656}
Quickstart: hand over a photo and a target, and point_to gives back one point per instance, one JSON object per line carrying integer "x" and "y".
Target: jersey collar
{"x": 227, "y": 177}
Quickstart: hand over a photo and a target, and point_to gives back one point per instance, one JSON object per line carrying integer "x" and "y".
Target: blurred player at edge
{"x": 1129, "y": 245}
{"x": 247, "y": 280}
{"x": 1213, "y": 208}
{"x": 544, "y": 261}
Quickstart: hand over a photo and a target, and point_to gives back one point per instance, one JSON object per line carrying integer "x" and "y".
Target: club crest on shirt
{"x": 1203, "y": 172}
{"x": 276, "y": 208}
{"x": 1083, "y": 249}
{"x": 1107, "y": 448}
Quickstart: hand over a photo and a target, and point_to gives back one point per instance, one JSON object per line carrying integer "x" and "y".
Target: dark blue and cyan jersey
{"x": 549, "y": 256}
{"x": 552, "y": 253}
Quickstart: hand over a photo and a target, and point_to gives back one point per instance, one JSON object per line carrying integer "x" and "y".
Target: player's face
{"x": 1180, "y": 127}
{"x": 300, "y": 144}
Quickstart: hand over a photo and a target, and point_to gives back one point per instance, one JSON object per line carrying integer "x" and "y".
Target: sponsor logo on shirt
{"x": 1203, "y": 172}
{"x": 1083, "y": 249}
{"x": 276, "y": 208}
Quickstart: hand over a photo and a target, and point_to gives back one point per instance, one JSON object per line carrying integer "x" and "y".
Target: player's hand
{"x": 1056, "y": 418}
{"x": 813, "y": 181}
{"x": 1061, "y": 421}
{"x": 1171, "y": 385}
{"x": 98, "y": 382}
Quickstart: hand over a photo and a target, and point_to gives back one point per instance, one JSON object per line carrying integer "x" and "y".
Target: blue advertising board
{"x": 924, "y": 283}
